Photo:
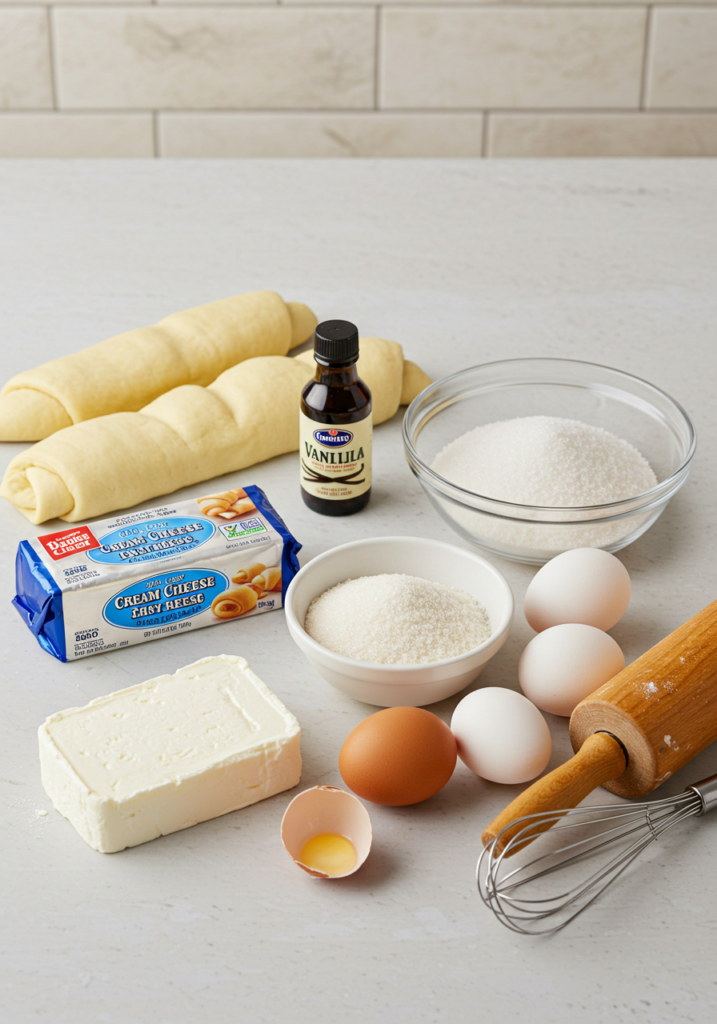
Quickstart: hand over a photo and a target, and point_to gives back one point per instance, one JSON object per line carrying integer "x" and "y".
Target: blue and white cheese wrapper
{"x": 154, "y": 573}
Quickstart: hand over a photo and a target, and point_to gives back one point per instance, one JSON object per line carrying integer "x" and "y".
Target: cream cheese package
{"x": 168, "y": 753}
{"x": 154, "y": 573}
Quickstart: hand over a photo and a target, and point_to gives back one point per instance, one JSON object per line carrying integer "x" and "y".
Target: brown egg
{"x": 398, "y": 756}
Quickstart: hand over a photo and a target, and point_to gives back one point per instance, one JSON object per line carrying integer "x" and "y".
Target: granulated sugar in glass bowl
{"x": 527, "y": 458}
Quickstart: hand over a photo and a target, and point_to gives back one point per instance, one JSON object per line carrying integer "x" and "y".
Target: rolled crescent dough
{"x": 128, "y": 371}
{"x": 250, "y": 413}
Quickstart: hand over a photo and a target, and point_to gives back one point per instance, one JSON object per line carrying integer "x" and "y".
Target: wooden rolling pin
{"x": 634, "y": 731}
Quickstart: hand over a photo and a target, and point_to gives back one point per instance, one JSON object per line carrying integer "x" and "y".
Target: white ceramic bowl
{"x": 400, "y": 685}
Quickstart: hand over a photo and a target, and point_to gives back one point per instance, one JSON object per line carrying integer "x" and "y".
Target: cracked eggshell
{"x": 326, "y": 809}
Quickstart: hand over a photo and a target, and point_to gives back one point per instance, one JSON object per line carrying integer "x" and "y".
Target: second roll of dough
{"x": 190, "y": 434}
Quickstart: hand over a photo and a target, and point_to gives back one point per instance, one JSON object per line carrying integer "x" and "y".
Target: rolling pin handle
{"x": 600, "y": 759}
{"x": 606, "y": 732}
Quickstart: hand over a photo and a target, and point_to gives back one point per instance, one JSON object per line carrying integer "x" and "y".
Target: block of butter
{"x": 168, "y": 753}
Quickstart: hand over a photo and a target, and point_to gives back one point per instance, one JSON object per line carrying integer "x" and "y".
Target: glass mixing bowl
{"x": 625, "y": 405}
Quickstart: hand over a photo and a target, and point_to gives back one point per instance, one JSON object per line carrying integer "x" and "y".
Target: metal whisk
{"x": 521, "y": 897}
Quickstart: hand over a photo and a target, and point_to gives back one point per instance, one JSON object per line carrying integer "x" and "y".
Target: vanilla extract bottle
{"x": 336, "y": 425}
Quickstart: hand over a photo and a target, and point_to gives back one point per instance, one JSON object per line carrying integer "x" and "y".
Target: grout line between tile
{"x": 337, "y": 5}
{"x": 647, "y": 47}
{"x": 582, "y": 112}
{"x": 54, "y": 84}
{"x": 435, "y": 5}
{"x": 396, "y": 5}
{"x": 377, "y": 62}
{"x": 155, "y": 133}
{"x": 484, "y": 134}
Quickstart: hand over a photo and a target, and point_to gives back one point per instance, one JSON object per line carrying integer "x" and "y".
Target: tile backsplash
{"x": 346, "y": 78}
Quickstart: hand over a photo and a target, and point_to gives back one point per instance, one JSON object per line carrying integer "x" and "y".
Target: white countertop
{"x": 462, "y": 262}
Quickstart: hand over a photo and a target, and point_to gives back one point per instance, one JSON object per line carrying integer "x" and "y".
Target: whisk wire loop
{"x": 515, "y": 895}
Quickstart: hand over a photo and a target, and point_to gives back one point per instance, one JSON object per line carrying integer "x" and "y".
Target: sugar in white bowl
{"x": 400, "y": 685}
{"x": 396, "y": 619}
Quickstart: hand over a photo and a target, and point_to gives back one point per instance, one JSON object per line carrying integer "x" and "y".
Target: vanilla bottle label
{"x": 335, "y": 461}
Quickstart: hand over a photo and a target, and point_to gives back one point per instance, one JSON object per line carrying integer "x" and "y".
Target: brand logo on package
{"x": 147, "y": 542}
{"x": 68, "y": 542}
{"x": 158, "y": 600}
{"x": 243, "y": 529}
{"x": 333, "y": 438}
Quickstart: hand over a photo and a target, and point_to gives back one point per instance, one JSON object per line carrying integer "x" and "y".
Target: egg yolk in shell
{"x": 328, "y": 852}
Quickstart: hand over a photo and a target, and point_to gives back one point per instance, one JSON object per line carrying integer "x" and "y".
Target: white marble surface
{"x": 608, "y": 261}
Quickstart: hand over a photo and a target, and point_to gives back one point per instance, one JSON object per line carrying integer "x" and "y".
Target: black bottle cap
{"x": 336, "y": 343}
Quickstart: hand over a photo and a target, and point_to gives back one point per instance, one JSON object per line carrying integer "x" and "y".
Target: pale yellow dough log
{"x": 414, "y": 381}
{"x": 190, "y": 434}
{"x": 127, "y": 372}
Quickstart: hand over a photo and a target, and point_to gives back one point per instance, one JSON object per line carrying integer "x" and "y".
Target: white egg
{"x": 563, "y": 664}
{"x": 586, "y": 585}
{"x": 501, "y": 736}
